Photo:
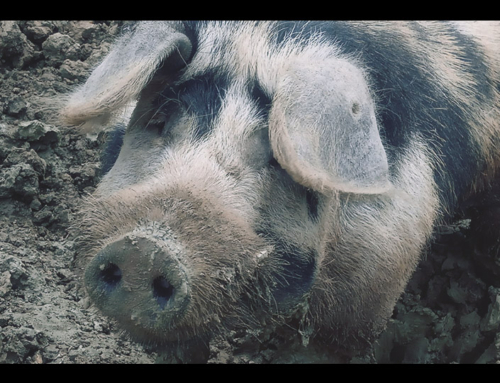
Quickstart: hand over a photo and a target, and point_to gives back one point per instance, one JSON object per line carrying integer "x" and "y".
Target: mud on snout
{"x": 169, "y": 265}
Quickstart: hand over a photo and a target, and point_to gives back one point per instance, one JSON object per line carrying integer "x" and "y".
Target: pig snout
{"x": 170, "y": 267}
{"x": 141, "y": 280}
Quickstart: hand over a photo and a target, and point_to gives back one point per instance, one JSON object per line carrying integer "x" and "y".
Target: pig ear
{"x": 126, "y": 70}
{"x": 323, "y": 129}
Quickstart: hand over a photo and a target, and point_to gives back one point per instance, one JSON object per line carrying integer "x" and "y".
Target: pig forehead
{"x": 246, "y": 50}
{"x": 219, "y": 45}
{"x": 235, "y": 56}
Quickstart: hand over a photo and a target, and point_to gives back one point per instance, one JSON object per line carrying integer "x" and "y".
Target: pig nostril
{"x": 162, "y": 291}
{"x": 111, "y": 275}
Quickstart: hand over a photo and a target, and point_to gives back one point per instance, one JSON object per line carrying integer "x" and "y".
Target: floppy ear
{"x": 323, "y": 129}
{"x": 126, "y": 70}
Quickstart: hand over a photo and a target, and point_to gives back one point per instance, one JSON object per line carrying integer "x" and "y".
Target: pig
{"x": 279, "y": 171}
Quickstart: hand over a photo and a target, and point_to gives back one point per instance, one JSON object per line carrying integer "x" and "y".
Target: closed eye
{"x": 163, "y": 110}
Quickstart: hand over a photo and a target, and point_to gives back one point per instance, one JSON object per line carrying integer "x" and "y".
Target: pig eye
{"x": 163, "y": 107}
{"x": 156, "y": 126}
{"x": 161, "y": 119}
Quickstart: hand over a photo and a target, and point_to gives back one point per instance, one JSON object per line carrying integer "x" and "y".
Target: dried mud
{"x": 450, "y": 312}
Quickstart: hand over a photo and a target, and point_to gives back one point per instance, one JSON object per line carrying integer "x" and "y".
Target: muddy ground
{"x": 450, "y": 312}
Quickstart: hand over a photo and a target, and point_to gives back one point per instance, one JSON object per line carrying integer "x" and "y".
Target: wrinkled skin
{"x": 254, "y": 183}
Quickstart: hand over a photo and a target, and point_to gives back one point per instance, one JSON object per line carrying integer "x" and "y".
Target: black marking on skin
{"x": 409, "y": 100}
{"x": 202, "y": 97}
{"x": 297, "y": 274}
{"x": 312, "y": 204}
{"x": 262, "y": 101}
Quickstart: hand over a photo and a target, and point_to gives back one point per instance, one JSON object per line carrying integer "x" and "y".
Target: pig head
{"x": 251, "y": 182}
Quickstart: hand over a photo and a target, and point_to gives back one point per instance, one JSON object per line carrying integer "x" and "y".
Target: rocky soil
{"x": 450, "y": 312}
